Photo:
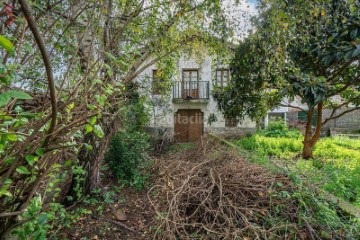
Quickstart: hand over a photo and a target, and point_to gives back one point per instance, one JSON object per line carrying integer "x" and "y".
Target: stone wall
{"x": 349, "y": 121}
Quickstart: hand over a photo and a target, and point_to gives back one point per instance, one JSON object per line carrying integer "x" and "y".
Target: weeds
{"x": 336, "y": 167}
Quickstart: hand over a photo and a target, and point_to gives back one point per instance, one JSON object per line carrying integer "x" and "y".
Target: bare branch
{"x": 339, "y": 115}
{"x": 39, "y": 41}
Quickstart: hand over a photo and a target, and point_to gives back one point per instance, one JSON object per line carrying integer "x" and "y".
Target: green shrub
{"x": 279, "y": 129}
{"x": 277, "y": 125}
{"x": 127, "y": 153}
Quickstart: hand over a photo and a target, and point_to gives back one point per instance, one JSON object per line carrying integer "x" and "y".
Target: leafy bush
{"x": 279, "y": 129}
{"x": 126, "y": 155}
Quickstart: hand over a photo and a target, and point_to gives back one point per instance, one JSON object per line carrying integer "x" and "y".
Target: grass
{"x": 335, "y": 167}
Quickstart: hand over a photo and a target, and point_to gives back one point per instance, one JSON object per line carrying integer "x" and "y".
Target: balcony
{"x": 191, "y": 91}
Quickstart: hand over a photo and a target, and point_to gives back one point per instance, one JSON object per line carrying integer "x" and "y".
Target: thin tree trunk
{"x": 307, "y": 149}
{"x": 311, "y": 139}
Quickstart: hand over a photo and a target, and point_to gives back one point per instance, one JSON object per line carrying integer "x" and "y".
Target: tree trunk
{"x": 92, "y": 159}
{"x": 311, "y": 139}
{"x": 307, "y": 152}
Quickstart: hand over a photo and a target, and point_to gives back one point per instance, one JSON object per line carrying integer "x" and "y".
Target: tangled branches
{"x": 221, "y": 196}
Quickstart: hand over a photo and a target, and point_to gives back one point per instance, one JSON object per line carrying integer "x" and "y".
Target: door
{"x": 189, "y": 125}
{"x": 190, "y": 83}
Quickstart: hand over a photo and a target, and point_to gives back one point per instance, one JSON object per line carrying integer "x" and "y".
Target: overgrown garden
{"x": 72, "y": 117}
{"x": 336, "y": 167}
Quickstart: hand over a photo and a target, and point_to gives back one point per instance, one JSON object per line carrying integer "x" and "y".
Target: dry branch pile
{"x": 210, "y": 193}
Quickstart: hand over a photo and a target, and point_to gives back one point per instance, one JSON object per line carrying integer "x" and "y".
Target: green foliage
{"x": 91, "y": 84}
{"x": 336, "y": 168}
{"x": 6, "y": 44}
{"x": 277, "y": 146}
{"x": 79, "y": 177}
{"x": 242, "y": 97}
{"x": 279, "y": 129}
{"x": 126, "y": 155}
{"x": 211, "y": 119}
{"x": 136, "y": 111}
{"x": 316, "y": 211}
{"x": 7, "y": 96}
{"x": 38, "y": 225}
{"x": 47, "y": 224}
{"x": 305, "y": 50}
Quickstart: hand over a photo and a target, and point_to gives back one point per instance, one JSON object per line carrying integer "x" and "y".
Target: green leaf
{"x": 6, "y": 96}
{"x": 18, "y": 94}
{"x": 68, "y": 163}
{"x": 328, "y": 59}
{"x": 69, "y": 107}
{"x": 22, "y": 170}
{"x": 29, "y": 48}
{"x": 353, "y": 33}
{"x": 31, "y": 159}
{"x": 88, "y": 146}
{"x": 4, "y": 99}
{"x": 11, "y": 137}
{"x": 5, "y": 192}
{"x": 6, "y": 44}
{"x": 92, "y": 120}
{"x": 39, "y": 152}
{"x": 88, "y": 128}
{"x": 98, "y": 131}
{"x": 91, "y": 107}
{"x": 9, "y": 160}
{"x": 42, "y": 219}
{"x": 109, "y": 70}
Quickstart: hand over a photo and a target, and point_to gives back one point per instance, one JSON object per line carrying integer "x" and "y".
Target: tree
{"x": 64, "y": 71}
{"x": 301, "y": 49}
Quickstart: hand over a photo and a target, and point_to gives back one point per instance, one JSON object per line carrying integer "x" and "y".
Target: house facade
{"x": 187, "y": 109}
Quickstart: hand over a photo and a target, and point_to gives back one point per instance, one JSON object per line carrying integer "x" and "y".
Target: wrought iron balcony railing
{"x": 191, "y": 90}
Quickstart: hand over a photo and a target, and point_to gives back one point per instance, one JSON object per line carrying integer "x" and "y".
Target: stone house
{"x": 187, "y": 109}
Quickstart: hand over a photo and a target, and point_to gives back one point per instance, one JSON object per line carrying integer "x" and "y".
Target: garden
{"x": 75, "y": 101}
{"x": 335, "y": 166}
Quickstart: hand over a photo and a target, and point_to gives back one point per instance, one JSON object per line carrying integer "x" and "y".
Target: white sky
{"x": 239, "y": 15}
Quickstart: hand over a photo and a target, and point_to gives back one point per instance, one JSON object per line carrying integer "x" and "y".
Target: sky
{"x": 239, "y": 15}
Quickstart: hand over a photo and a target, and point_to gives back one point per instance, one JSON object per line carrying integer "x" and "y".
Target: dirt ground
{"x": 133, "y": 203}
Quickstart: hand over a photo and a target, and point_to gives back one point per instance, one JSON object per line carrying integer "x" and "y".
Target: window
{"x": 222, "y": 77}
{"x": 190, "y": 83}
{"x": 231, "y": 122}
{"x": 157, "y": 83}
{"x": 190, "y": 75}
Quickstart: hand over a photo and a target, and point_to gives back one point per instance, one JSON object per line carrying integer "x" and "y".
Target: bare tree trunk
{"x": 307, "y": 149}
{"x": 311, "y": 139}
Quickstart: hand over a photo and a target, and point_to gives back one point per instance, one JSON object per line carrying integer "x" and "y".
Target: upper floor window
{"x": 222, "y": 77}
{"x": 190, "y": 75}
{"x": 157, "y": 83}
